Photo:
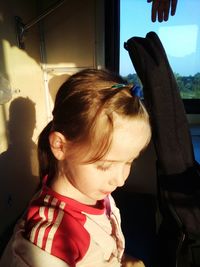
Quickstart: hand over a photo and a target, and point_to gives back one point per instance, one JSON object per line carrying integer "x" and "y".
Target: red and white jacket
{"x": 60, "y": 229}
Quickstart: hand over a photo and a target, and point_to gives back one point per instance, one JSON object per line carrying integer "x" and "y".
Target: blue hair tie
{"x": 136, "y": 91}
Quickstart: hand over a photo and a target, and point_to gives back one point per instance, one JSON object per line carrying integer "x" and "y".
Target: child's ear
{"x": 58, "y": 145}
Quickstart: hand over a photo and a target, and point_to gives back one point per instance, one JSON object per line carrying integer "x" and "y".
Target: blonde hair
{"x": 83, "y": 113}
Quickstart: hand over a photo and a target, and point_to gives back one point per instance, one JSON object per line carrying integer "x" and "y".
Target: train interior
{"x": 41, "y": 44}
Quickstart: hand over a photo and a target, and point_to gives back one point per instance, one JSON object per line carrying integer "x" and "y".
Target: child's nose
{"x": 117, "y": 179}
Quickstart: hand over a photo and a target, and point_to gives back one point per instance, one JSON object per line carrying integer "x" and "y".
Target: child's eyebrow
{"x": 109, "y": 160}
{"x": 116, "y": 161}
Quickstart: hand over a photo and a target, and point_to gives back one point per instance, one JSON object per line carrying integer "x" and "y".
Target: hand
{"x": 129, "y": 261}
{"x": 161, "y": 9}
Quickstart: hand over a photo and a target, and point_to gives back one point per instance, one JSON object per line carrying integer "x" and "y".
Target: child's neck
{"x": 62, "y": 186}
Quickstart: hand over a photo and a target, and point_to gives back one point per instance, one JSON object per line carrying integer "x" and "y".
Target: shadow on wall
{"x": 18, "y": 166}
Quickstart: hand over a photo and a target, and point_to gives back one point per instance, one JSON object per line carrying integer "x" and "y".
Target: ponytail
{"x": 46, "y": 159}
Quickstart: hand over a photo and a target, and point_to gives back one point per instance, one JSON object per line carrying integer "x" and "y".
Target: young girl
{"x": 98, "y": 129}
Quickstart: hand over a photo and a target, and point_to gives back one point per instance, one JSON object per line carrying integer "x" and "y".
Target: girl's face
{"x": 88, "y": 183}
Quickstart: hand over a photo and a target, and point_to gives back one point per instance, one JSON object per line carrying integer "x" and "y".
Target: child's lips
{"x": 106, "y": 192}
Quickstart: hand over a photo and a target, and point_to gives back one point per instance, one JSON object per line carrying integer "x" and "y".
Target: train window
{"x": 180, "y": 36}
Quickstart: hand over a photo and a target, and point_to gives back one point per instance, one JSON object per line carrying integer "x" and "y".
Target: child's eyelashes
{"x": 103, "y": 168}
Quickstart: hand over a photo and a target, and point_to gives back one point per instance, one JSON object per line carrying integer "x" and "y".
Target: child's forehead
{"x": 129, "y": 138}
{"x": 126, "y": 123}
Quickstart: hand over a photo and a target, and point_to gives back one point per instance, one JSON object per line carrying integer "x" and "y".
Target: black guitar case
{"x": 177, "y": 171}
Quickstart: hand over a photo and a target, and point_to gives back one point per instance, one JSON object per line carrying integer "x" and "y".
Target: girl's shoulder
{"x": 56, "y": 227}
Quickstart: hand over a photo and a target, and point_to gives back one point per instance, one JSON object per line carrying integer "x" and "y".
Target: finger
{"x": 154, "y": 10}
{"x": 166, "y": 10}
{"x": 163, "y": 10}
{"x": 173, "y": 7}
{"x": 160, "y": 11}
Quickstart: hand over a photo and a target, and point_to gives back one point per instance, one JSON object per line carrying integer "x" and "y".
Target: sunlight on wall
{"x": 4, "y": 141}
{"x": 62, "y": 66}
{"x": 22, "y": 118}
{"x": 54, "y": 76}
{"x": 26, "y": 79}
{"x": 5, "y": 90}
